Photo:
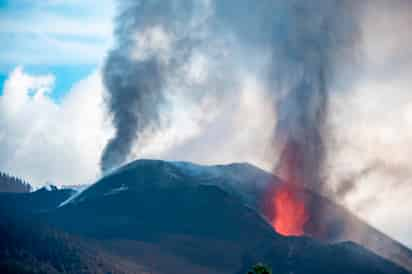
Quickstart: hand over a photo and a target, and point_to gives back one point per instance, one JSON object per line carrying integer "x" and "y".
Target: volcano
{"x": 176, "y": 217}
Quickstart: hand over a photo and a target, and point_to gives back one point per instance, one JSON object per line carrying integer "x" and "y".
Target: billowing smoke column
{"x": 134, "y": 84}
{"x": 195, "y": 48}
{"x": 151, "y": 43}
{"x": 305, "y": 45}
{"x": 321, "y": 39}
{"x": 136, "y": 92}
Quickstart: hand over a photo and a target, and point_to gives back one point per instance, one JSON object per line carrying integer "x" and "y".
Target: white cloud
{"x": 45, "y": 141}
{"x": 62, "y": 142}
{"x": 39, "y": 49}
{"x": 386, "y": 29}
{"x": 372, "y": 123}
{"x": 58, "y": 25}
{"x": 237, "y": 129}
{"x": 373, "y": 129}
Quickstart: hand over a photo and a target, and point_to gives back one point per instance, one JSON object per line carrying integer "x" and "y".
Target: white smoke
{"x": 372, "y": 123}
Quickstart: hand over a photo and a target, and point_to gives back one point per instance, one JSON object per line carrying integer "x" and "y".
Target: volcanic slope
{"x": 173, "y": 217}
{"x": 29, "y": 246}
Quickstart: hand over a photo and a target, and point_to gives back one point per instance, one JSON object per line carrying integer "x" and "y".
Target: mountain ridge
{"x": 156, "y": 178}
{"x": 251, "y": 184}
{"x": 176, "y": 217}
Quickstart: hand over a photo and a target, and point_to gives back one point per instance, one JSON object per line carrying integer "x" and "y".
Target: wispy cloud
{"x": 54, "y": 32}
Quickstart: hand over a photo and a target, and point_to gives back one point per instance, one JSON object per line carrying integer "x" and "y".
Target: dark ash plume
{"x": 156, "y": 42}
{"x": 312, "y": 44}
{"x": 349, "y": 183}
{"x": 135, "y": 93}
{"x": 308, "y": 41}
{"x": 134, "y": 79}
{"x": 136, "y": 69}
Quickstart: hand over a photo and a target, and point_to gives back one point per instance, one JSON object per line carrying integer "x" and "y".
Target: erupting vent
{"x": 290, "y": 214}
{"x": 286, "y": 204}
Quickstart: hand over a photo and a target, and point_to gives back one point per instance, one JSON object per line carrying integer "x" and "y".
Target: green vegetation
{"x": 13, "y": 184}
{"x": 260, "y": 269}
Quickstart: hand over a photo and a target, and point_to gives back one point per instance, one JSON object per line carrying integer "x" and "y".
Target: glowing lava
{"x": 289, "y": 211}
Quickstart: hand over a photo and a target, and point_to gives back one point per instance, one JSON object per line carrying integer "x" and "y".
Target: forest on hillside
{"x": 10, "y": 183}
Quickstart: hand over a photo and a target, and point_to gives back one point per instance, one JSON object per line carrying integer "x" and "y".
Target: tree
{"x": 260, "y": 269}
{"x": 13, "y": 184}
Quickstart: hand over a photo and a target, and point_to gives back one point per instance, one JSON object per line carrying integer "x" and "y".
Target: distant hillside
{"x": 41, "y": 200}
{"x": 13, "y": 184}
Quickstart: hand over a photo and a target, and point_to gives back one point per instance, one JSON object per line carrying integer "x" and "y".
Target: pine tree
{"x": 260, "y": 269}
{"x": 10, "y": 183}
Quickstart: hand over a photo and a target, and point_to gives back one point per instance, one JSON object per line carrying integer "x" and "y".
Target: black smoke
{"x": 136, "y": 93}
{"x": 305, "y": 43}
{"x": 318, "y": 41}
{"x": 136, "y": 70}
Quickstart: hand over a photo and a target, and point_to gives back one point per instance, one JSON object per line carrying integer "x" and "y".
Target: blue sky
{"x": 68, "y": 39}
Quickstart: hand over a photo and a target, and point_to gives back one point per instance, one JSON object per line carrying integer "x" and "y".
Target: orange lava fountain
{"x": 290, "y": 211}
{"x": 287, "y": 202}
